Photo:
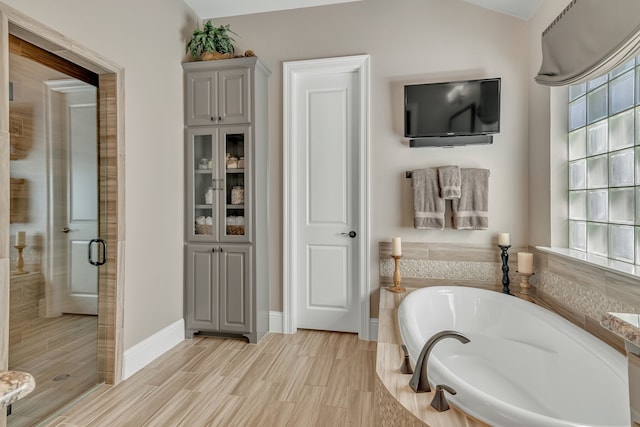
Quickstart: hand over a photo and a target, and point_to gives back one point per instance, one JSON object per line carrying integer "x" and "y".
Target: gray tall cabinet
{"x": 226, "y": 141}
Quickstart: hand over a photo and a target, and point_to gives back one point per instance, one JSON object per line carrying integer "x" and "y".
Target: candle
{"x": 396, "y": 246}
{"x": 503, "y": 239}
{"x": 20, "y": 238}
{"x": 525, "y": 262}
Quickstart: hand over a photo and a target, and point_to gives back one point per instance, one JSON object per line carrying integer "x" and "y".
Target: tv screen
{"x": 452, "y": 108}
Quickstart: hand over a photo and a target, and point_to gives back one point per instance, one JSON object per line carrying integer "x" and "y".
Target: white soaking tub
{"x": 524, "y": 366}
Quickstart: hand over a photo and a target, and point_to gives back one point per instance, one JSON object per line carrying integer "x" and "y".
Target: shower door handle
{"x": 104, "y": 252}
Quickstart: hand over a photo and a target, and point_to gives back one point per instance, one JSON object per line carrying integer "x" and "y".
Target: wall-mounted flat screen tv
{"x": 452, "y": 109}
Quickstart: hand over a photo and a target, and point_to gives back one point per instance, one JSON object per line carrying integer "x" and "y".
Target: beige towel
{"x": 449, "y": 179}
{"x": 471, "y": 210}
{"x": 428, "y": 206}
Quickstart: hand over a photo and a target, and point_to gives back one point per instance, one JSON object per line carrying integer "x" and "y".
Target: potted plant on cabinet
{"x": 211, "y": 42}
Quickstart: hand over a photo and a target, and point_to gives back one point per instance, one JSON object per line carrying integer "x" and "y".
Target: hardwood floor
{"x": 312, "y": 378}
{"x": 50, "y": 347}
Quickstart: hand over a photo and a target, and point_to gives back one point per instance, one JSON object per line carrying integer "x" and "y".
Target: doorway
{"x": 53, "y": 323}
{"x": 326, "y": 195}
{"x": 21, "y": 34}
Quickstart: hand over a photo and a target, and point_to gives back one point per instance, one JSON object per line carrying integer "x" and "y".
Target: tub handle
{"x": 405, "y": 368}
{"x": 439, "y": 402}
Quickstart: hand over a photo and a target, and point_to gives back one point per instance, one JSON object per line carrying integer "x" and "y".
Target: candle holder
{"x": 20, "y": 260}
{"x": 505, "y": 268}
{"x": 396, "y": 276}
{"x": 524, "y": 281}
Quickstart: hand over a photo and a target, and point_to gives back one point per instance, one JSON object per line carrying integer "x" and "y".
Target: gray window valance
{"x": 588, "y": 39}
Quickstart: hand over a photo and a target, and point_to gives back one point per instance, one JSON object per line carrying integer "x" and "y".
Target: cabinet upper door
{"x": 235, "y": 172}
{"x": 202, "y": 98}
{"x": 233, "y": 86}
{"x": 203, "y": 186}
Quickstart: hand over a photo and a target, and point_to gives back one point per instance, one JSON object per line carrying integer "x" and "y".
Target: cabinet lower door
{"x": 202, "y": 293}
{"x": 235, "y": 289}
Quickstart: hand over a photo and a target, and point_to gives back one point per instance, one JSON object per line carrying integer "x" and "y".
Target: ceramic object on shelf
{"x": 237, "y": 195}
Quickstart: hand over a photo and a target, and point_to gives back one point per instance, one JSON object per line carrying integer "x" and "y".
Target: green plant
{"x": 211, "y": 39}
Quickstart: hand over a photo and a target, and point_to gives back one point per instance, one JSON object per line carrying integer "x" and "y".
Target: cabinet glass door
{"x": 203, "y": 186}
{"x": 236, "y": 190}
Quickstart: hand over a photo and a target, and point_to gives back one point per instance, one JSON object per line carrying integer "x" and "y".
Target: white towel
{"x": 449, "y": 180}
{"x": 471, "y": 210}
{"x": 428, "y": 206}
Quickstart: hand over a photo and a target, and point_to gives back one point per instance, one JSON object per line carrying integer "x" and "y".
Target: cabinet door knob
{"x": 221, "y": 250}
{"x": 213, "y": 119}
{"x": 213, "y": 250}
{"x": 219, "y": 118}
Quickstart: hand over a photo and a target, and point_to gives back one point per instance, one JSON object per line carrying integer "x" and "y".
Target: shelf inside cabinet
{"x": 204, "y": 171}
{"x": 231, "y": 207}
{"x": 235, "y": 170}
{"x": 204, "y": 206}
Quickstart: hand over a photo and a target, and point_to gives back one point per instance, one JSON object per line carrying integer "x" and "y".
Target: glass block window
{"x": 604, "y": 164}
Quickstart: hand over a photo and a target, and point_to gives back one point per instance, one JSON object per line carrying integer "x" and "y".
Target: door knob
{"x": 351, "y": 234}
{"x": 65, "y": 229}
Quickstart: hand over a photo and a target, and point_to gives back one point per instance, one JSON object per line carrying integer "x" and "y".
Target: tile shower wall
{"x": 579, "y": 292}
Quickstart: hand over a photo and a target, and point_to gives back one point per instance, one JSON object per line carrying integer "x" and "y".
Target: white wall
{"x": 546, "y": 178}
{"x": 409, "y": 41}
{"x": 147, "y": 38}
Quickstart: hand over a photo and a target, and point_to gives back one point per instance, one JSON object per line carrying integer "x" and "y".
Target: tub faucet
{"x": 420, "y": 380}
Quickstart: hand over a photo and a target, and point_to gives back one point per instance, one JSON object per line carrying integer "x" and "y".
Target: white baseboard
{"x": 275, "y": 325}
{"x": 149, "y": 349}
{"x": 275, "y": 322}
{"x": 373, "y": 329}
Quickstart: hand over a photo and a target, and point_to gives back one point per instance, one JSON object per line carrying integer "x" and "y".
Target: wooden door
{"x": 327, "y": 135}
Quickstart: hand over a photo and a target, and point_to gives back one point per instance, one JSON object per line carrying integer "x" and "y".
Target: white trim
{"x": 373, "y": 329}
{"x": 275, "y": 322}
{"x": 149, "y": 349}
{"x": 359, "y": 64}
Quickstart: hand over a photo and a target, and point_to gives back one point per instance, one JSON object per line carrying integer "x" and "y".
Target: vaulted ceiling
{"x": 206, "y": 9}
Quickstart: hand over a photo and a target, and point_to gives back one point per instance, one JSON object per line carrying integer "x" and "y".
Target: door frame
{"x": 359, "y": 64}
{"x": 111, "y": 169}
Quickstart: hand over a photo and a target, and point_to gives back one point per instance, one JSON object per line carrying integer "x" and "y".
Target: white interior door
{"x": 327, "y": 135}
{"x": 75, "y": 177}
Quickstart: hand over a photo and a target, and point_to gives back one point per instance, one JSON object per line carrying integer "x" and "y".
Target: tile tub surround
{"x": 396, "y": 404}
{"x": 447, "y": 263}
{"x": 14, "y": 386}
{"x": 581, "y": 293}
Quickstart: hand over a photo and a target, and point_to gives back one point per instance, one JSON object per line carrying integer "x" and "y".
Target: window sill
{"x": 613, "y": 266}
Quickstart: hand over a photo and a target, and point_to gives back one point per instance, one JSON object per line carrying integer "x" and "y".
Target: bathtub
{"x": 524, "y": 366}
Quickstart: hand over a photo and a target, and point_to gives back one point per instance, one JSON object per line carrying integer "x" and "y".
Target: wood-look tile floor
{"x": 311, "y": 378}
{"x": 50, "y": 347}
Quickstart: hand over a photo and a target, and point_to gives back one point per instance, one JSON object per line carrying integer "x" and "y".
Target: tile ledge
{"x": 625, "y": 325}
{"x": 629, "y": 270}
{"x": 14, "y": 386}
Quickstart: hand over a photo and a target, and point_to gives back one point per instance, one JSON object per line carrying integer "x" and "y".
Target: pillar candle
{"x": 503, "y": 239}
{"x": 20, "y": 238}
{"x": 396, "y": 246}
{"x": 525, "y": 262}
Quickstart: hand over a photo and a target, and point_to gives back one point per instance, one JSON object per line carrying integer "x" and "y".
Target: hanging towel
{"x": 449, "y": 179}
{"x": 428, "y": 206}
{"x": 471, "y": 210}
